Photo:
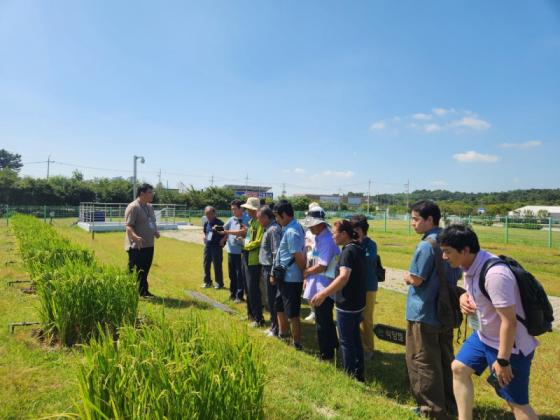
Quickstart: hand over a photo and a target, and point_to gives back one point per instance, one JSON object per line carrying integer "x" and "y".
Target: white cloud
{"x": 379, "y": 125}
{"x": 439, "y": 183}
{"x": 440, "y": 112}
{"x": 526, "y": 145}
{"x": 470, "y": 122}
{"x": 473, "y": 157}
{"x": 297, "y": 171}
{"x": 421, "y": 116}
{"x": 338, "y": 174}
{"x": 431, "y": 128}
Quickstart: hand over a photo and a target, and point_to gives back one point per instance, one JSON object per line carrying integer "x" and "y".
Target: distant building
{"x": 534, "y": 211}
{"x": 251, "y": 191}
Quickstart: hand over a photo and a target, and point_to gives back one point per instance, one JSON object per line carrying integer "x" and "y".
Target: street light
{"x": 134, "y": 159}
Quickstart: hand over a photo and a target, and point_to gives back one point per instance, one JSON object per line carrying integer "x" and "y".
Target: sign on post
{"x": 391, "y": 334}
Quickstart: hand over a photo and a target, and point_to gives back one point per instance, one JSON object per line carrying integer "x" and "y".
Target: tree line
{"x": 70, "y": 191}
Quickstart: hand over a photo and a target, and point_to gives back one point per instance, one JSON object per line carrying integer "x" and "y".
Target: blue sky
{"x": 320, "y": 95}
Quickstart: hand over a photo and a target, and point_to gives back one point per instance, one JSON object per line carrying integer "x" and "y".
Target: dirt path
{"x": 393, "y": 280}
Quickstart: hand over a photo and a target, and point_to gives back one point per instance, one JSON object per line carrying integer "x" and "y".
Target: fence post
{"x": 385, "y": 221}
{"x": 507, "y": 230}
{"x": 550, "y": 232}
{"x": 45, "y": 214}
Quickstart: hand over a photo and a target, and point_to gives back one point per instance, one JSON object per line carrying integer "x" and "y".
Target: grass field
{"x": 39, "y": 381}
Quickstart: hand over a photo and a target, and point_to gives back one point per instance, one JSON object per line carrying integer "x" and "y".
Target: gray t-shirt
{"x": 142, "y": 219}
{"x": 270, "y": 242}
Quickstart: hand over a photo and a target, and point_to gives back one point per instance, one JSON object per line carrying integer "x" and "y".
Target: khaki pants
{"x": 366, "y": 326}
{"x": 429, "y": 353}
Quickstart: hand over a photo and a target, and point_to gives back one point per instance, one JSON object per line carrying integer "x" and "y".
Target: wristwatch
{"x": 503, "y": 362}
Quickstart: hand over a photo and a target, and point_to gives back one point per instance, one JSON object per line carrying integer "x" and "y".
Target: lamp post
{"x": 134, "y": 159}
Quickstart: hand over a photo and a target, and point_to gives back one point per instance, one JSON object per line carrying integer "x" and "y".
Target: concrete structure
{"x": 533, "y": 211}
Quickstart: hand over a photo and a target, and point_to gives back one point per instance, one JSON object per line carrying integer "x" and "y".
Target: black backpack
{"x": 380, "y": 270}
{"x": 537, "y": 307}
{"x": 448, "y": 308}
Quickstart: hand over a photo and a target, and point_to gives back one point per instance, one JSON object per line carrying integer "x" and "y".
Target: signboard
{"x": 391, "y": 334}
{"x": 259, "y": 194}
{"x": 334, "y": 199}
{"x": 354, "y": 201}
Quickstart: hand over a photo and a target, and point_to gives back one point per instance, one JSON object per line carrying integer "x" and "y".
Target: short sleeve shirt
{"x": 352, "y": 298}
{"x": 212, "y": 238}
{"x": 322, "y": 253}
{"x": 142, "y": 219}
{"x": 503, "y": 290}
{"x": 293, "y": 241}
{"x": 234, "y": 246}
{"x": 421, "y": 302}
{"x": 370, "y": 249}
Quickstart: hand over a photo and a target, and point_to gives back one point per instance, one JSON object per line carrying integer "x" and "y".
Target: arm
{"x": 413, "y": 280}
{"x": 336, "y": 285}
{"x": 316, "y": 269}
{"x": 422, "y": 265}
{"x": 508, "y": 329}
{"x": 301, "y": 260}
{"x": 134, "y": 237}
{"x": 257, "y": 241}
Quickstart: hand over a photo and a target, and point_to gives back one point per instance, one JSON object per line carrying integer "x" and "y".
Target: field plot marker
{"x": 13, "y": 325}
{"x": 203, "y": 298}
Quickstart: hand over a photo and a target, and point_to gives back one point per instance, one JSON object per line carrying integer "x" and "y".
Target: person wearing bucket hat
{"x": 251, "y": 263}
{"x": 324, "y": 254}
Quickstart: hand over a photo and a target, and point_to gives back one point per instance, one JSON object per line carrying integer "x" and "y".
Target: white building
{"x": 552, "y": 211}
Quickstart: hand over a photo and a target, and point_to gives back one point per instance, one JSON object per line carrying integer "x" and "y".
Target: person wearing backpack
{"x": 429, "y": 336}
{"x": 499, "y": 341}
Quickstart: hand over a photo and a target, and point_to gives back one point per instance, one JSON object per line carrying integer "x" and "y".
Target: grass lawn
{"x": 38, "y": 381}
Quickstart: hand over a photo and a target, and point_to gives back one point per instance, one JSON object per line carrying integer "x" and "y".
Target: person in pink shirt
{"x": 499, "y": 341}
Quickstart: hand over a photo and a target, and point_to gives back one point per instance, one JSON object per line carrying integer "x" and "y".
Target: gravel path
{"x": 393, "y": 278}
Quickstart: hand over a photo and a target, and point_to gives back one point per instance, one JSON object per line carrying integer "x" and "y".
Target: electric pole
{"x": 368, "y": 194}
{"x": 49, "y": 165}
{"x": 283, "y": 189}
{"x": 212, "y": 180}
{"x": 407, "y": 186}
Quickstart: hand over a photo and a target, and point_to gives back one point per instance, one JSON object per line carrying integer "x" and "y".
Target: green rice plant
{"x": 160, "y": 372}
{"x": 75, "y": 293}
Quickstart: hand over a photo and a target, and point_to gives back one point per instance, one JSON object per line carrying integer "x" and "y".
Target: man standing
{"x": 213, "y": 245}
{"x": 141, "y": 229}
{"x": 499, "y": 340}
{"x": 235, "y": 229}
{"x": 429, "y": 346}
{"x": 317, "y": 277}
{"x": 251, "y": 263}
{"x": 291, "y": 256}
{"x": 269, "y": 247}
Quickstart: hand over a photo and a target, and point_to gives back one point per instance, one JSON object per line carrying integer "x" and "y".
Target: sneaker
{"x": 219, "y": 286}
{"x": 237, "y": 300}
{"x": 257, "y": 324}
{"x": 271, "y": 333}
{"x": 310, "y": 317}
{"x": 298, "y": 346}
{"x": 206, "y": 285}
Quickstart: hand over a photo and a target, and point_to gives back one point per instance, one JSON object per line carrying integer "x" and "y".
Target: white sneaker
{"x": 310, "y": 317}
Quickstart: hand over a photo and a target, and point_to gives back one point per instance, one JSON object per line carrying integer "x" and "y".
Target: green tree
{"x": 10, "y": 160}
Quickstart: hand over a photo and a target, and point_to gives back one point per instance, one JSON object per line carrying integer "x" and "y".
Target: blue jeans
{"x": 350, "y": 343}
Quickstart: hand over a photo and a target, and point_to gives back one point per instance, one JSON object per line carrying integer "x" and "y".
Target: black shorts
{"x": 288, "y": 299}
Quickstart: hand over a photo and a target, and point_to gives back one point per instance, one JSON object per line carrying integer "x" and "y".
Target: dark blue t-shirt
{"x": 212, "y": 238}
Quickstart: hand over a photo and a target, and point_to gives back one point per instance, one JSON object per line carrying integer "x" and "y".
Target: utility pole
{"x": 49, "y": 165}
{"x": 134, "y": 172}
{"x": 212, "y": 180}
{"x": 246, "y": 184}
{"x": 407, "y": 186}
{"x": 159, "y": 178}
{"x": 283, "y": 189}
{"x": 368, "y": 194}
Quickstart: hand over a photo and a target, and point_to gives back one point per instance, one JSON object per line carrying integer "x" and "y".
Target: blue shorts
{"x": 478, "y": 356}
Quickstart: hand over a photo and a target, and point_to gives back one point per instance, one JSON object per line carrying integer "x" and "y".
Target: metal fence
{"x": 544, "y": 232}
